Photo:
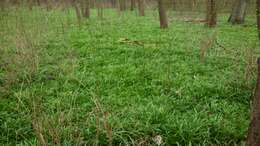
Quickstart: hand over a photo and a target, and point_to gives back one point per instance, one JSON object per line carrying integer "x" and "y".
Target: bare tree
{"x": 113, "y": 3}
{"x": 77, "y": 10}
{"x": 162, "y": 14}
{"x": 253, "y": 137}
{"x": 100, "y": 8}
{"x": 141, "y": 7}
{"x": 2, "y": 5}
{"x": 47, "y": 4}
{"x": 122, "y": 5}
{"x": 87, "y": 8}
{"x": 174, "y": 4}
{"x": 239, "y": 11}
{"x": 30, "y": 4}
{"x": 38, "y": 2}
{"x": 132, "y": 5}
{"x": 211, "y": 18}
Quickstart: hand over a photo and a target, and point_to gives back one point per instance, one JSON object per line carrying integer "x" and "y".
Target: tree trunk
{"x": 239, "y": 11}
{"x": 2, "y": 4}
{"x": 38, "y": 2}
{"x": 258, "y": 17}
{"x": 100, "y": 8}
{"x": 141, "y": 7}
{"x": 132, "y": 5}
{"x": 77, "y": 10}
{"x": 122, "y": 5}
{"x": 113, "y": 3}
{"x": 174, "y": 4}
{"x": 162, "y": 14}
{"x": 253, "y": 137}
{"x": 87, "y": 8}
{"x": 211, "y": 18}
{"x": 30, "y": 4}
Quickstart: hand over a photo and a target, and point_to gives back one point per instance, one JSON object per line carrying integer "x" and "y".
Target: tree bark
{"x": 113, "y": 3}
{"x": 38, "y": 2}
{"x": 211, "y": 18}
{"x": 253, "y": 137}
{"x": 162, "y": 14}
{"x": 258, "y": 17}
{"x": 132, "y": 5}
{"x": 141, "y": 7}
{"x": 122, "y": 5}
{"x": 2, "y": 4}
{"x": 30, "y": 4}
{"x": 47, "y": 4}
{"x": 174, "y": 3}
{"x": 239, "y": 11}
{"x": 87, "y": 8}
{"x": 77, "y": 10}
{"x": 100, "y": 9}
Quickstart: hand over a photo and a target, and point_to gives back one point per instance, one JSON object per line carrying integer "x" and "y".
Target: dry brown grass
{"x": 102, "y": 121}
{"x": 206, "y": 44}
{"x": 250, "y": 66}
{"x": 19, "y": 64}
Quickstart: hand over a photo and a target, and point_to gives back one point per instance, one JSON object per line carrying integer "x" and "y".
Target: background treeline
{"x": 178, "y": 5}
{"x": 186, "y": 8}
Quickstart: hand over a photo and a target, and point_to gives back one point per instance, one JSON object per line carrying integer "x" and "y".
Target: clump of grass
{"x": 102, "y": 124}
{"x": 206, "y": 44}
{"x": 22, "y": 62}
{"x": 250, "y": 68}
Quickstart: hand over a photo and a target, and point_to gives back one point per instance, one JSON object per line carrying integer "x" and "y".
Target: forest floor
{"x": 123, "y": 81}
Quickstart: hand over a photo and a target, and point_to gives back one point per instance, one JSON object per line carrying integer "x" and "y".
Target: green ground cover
{"x": 122, "y": 78}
